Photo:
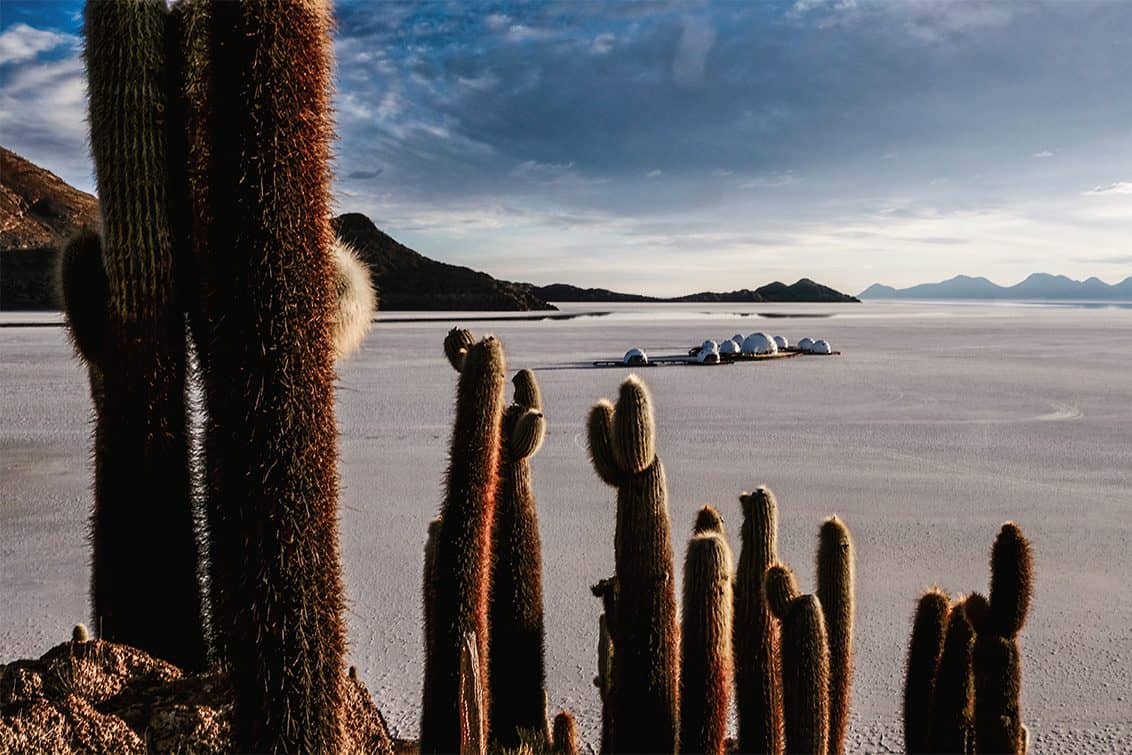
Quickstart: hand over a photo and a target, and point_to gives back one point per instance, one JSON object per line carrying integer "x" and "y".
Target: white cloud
{"x": 497, "y": 21}
{"x": 1042, "y": 155}
{"x": 20, "y": 42}
{"x": 770, "y": 180}
{"x": 553, "y": 174}
{"x": 722, "y": 172}
{"x": 602, "y": 44}
{"x": 656, "y": 173}
{"x": 696, "y": 41}
{"x": 1117, "y": 187}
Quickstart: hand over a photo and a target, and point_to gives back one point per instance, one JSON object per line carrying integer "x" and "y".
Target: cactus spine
{"x": 952, "y": 722}
{"x": 706, "y": 659}
{"x": 997, "y": 655}
{"x": 835, "y": 591}
{"x": 804, "y": 664}
{"x": 756, "y": 643}
{"x": 645, "y": 635}
{"x": 144, "y": 578}
{"x": 924, "y": 651}
{"x": 518, "y": 676}
{"x": 267, "y": 292}
{"x": 463, "y": 544}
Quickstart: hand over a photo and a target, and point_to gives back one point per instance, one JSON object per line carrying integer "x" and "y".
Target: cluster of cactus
{"x": 788, "y": 656}
{"x": 483, "y": 567}
{"x": 964, "y": 674}
{"x": 210, "y": 129}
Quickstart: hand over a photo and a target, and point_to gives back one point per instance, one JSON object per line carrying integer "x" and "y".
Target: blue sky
{"x": 668, "y": 147}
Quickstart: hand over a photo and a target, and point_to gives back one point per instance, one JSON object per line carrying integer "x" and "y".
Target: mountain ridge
{"x": 1036, "y": 286}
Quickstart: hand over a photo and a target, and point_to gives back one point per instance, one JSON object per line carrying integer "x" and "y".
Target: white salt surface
{"x": 937, "y": 423}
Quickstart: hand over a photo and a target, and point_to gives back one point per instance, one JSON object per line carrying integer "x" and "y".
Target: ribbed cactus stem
{"x": 707, "y": 660}
{"x": 518, "y": 676}
{"x": 781, "y": 590}
{"x": 953, "y": 701}
{"x": 271, "y": 439}
{"x": 565, "y": 739}
{"x": 997, "y": 656}
{"x": 835, "y": 590}
{"x": 463, "y": 559}
{"x": 145, "y": 585}
{"x": 708, "y": 521}
{"x": 527, "y": 392}
{"x": 456, "y": 345}
{"x": 645, "y": 634}
{"x": 758, "y": 686}
{"x": 924, "y": 651}
{"x": 805, "y": 677}
{"x": 428, "y": 599}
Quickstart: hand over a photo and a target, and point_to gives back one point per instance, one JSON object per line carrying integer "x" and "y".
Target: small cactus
{"x": 80, "y": 633}
{"x": 463, "y": 568}
{"x": 645, "y": 691}
{"x": 835, "y": 591}
{"x": 805, "y": 672}
{"x": 708, "y": 521}
{"x": 756, "y": 643}
{"x": 924, "y": 651}
{"x": 356, "y": 299}
{"x": 565, "y": 738}
{"x": 518, "y": 676}
{"x": 707, "y": 662}
{"x": 952, "y": 721}
{"x": 997, "y": 657}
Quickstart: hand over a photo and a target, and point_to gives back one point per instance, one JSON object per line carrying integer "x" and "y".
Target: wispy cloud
{"x": 20, "y": 43}
{"x": 1042, "y": 155}
{"x": 1117, "y": 187}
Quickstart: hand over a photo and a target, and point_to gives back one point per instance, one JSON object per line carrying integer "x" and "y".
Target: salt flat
{"x": 937, "y": 423}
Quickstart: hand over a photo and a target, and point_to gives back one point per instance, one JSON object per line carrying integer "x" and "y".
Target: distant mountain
{"x": 1037, "y": 286}
{"x": 407, "y": 280}
{"x": 804, "y": 290}
{"x": 565, "y": 292}
{"x": 38, "y": 213}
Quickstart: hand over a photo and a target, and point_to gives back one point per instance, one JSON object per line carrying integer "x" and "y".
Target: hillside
{"x": 804, "y": 290}
{"x": 1036, "y": 286}
{"x": 407, "y": 280}
{"x": 38, "y": 212}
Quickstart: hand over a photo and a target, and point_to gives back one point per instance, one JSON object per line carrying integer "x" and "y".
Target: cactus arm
{"x": 1011, "y": 578}
{"x": 600, "y": 435}
{"x": 953, "y": 699}
{"x": 634, "y": 434}
{"x": 527, "y": 391}
{"x": 805, "y": 677}
{"x": 85, "y": 294}
{"x": 835, "y": 572}
{"x": 781, "y": 590}
{"x": 526, "y": 434}
{"x": 924, "y": 650}
{"x": 456, "y": 345}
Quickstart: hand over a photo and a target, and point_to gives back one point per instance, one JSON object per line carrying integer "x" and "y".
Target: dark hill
{"x": 407, "y": 280}
{"x": 38, "y": 213}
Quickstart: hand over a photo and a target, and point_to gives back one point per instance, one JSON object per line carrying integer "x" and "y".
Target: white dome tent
{"x": 781, "y": 342}
{"x": 822, "y": 347}
{"x": 730, "y": 347}
{"x": 806, "y": 345}
{"x": 708, "y": 353}
{"x": 635, "y": 357}
{"x": 759, "y": 343}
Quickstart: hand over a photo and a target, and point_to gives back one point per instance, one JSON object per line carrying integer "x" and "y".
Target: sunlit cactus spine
{"x": 997, "y": 657}
{"x": 463, "y": 556}
{"x": 622, "y": 443}
{"x": 145, "y": 587}
{"x": 952, "y": 727}
{"x": 706, "y": 661}
{"x": 517, "y": 673}
{"x": 756, "y": 641}
{"x": 929, "y": 627}
{"x": 804, "y": 663}
{"x": 267, "y": 293}
{"x": 565, "y": 734}
{"x": 835, "y": 591}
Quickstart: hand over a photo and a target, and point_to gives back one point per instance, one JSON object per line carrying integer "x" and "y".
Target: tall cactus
{"x": 835, "y": 591}
{"x": 463, "y": 553}
{"x": 144, "y": 578}
{"x": 924, "y": 651}
{"x": 518, "y": 676}
{"x": 622, "y": 443}
{"x": 997, "y": 653}
{"x": 706, "y": 661}
{"x": 804, "y": 663}
{"x": 952, "y": 721}
{"x": 757, "y": 674}
{"x": 265, "y": 333}
{"x": 565, "y": 735}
